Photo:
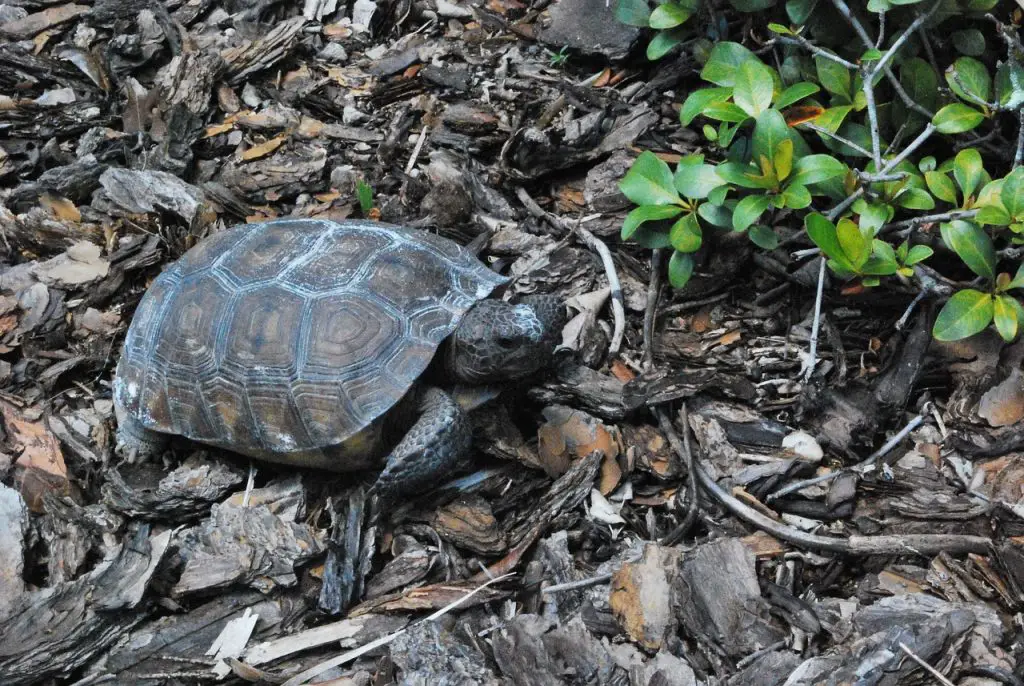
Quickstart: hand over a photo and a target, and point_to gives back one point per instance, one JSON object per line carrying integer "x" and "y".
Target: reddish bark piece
{"x": 40, "y": 466}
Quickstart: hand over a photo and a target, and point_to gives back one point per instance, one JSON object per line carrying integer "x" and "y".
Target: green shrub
{"x": 852, "y": 123}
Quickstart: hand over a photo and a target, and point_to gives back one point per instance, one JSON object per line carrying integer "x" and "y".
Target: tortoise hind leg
{"x": 135, "y": 441}
{"x": 434, "y": 447}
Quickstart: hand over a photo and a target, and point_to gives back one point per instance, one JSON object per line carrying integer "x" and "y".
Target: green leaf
{"x": 834, "y": 77}
{"x": 715, "y": 215}
{"x": 695, "y": 180}
{"x": 633, "y": 12}
{"x": 969, "y": 77}
{"x": 646, "y": 213}
{"x": 957, "y": 118}
{"x": 754, "y": 87}
{"x": 920, "y": 81}
{"x": 724, "y": 61}
{"x": 763, "y": 237}
{"x": 969, "y": 42}
{"x": 668, "y": 16}
{"x": 799, "y": 11}
{"x": 649, "y": 181}
{"x": 364, "y": 192}
{"x": 993, "y": 214}
{"x": 823, "y": 233}
{"x": 1005, "y": 316}
{"x": 915, "y": 199}
{"x": 662, "y": 44}
{"x": 769, "y": 131}
{"x": 752, "y": 5}
{"x": 856, "y": 246}
{"x": 725, "y": 111}
{"x": 685, "y": 235}
{"x": 680, "y": 268}
{"x": 749, "y": 210}
{"x": 972, "y": 244}
{"x": 698, "y": 100}
{"x": 1018, "y": 279}
{"x": 1012, "y": 194}
{"x": 783, "y": 159}
{"x": 1009, "y": 84}
{"x": 779, "y": 29}
{"x": 968, "y": 170}
{"x": 918, "y": 253}
{"x": 882, "y": 261}
{"x": 796, "y": 197}
{"x": 650, "y": 238}
{"x": 941, "y": 186}
{"x": 741, "y": 175}
{"x": 873, "y": 215}
{"x": 965, "y": 314}
{"x": 795, "y": 93}
{"x": 816, "y": 168}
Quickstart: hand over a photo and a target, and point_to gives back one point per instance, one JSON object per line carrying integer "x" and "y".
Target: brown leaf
{"x": 1003, "y": 404}
{"x": 257, "y": 151}
{"x": 570, "y": 434}
{"x": 621, "y": 372}
{"x": 603, "y": 79}
{"x": 61, "y": 208}
{"x": 640, "y": 594}
{"x": 40, "y": 466}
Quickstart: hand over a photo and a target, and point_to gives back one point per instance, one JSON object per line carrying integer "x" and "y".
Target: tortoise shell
{"x": 292, "y": 336}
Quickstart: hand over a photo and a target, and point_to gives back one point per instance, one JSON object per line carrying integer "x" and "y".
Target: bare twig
{"x": 927, "y": 667}
{"x": 598, "y": 246}
{"x": 618, "y": 311}
{"x": 650, "y": 313}
{"x": 876, "y": 137}
{"x": 860, "y": 467}
{"x": 685, "y": 451}
{"x": 816, "y": 324}
{"x": 1018, "y": 157}
{"x": 820, "y": 52}
{"x": 573, "y": 585}
{"x": 919, "y": 544}
{"x": 305, "y": 676}
{"x": 845, "y": 141}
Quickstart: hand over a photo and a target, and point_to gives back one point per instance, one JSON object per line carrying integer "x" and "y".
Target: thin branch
{"x": 927, "y": 667}
{"x": 919, "y": 544}
{"x": 820, "y": 52}
{"x": 816, "y": 324}
{"x": 686, "y": 452}
{"x": 845, "y": 141}
{"x": 921, "y": 19}
{"x": 573, "y": 585}
{"x": 914, "y": 222}
{"x": 914, "y": 145}
{"x": 651, "y": 311}
{"x": 860, "y": 467}
{"x": 1018, "y": 157}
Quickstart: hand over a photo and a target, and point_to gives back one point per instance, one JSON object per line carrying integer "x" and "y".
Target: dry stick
{"x": 1018, "y": 156}
{"x": 582, "y": 583}
{"x": 348, "y": 656}
{"x": 918, "y": 544}
{"x": 598, "y": 246}
{"x": 618, "y": 311}
{"x": 860, "y": 467}
{"x": 927, "y": 667}
{"x": 686, "y": 453}
{"x": 653, "y": 292}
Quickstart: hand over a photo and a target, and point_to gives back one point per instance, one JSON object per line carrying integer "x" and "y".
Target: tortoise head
{"x": 499, "y": 341}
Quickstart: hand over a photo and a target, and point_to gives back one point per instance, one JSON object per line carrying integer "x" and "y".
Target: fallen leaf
{"x": 1003, "y": 404}
{"x": 61, "y": 208}
{"x": 265, "y": 148}
{"x": 570, "y": 434}
{"x": 39, "y": 468}
{"x": 603, "y": 80}
{"x": 621, "y": 372}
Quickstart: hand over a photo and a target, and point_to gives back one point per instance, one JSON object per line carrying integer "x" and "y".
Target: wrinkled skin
{"x": 496, "y": 341}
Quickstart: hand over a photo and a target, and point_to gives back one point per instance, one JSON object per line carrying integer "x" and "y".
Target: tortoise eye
{"x": 506, "y": 342}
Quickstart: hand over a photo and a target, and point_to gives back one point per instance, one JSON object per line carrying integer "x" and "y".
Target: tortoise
{"x": 325, "y": 344}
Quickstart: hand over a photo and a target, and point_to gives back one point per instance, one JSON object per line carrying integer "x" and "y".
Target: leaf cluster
{"x": 854, "y": 125}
